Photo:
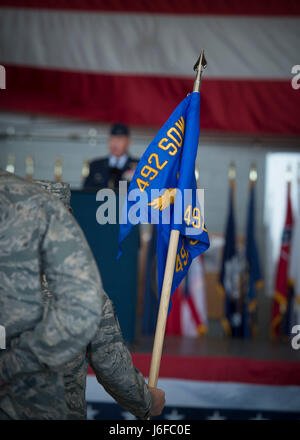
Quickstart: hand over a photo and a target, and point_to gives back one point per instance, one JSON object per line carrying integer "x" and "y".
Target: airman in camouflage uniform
{"x": 50, "y": 325}
{"x": 38, "y": 235}
{"x": 107, "y": 354}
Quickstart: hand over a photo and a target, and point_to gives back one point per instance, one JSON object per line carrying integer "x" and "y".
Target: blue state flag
{"x": 252, "y": 279}
{"x": 163, "y": 191}
{"x": 229, "y": 279}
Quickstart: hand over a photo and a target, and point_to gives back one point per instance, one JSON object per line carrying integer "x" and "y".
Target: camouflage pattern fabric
{"x": 60, "y": 190}
{"x": 111, "y": 361}
{"x": 38, "y": 235}
{"x": 107, "y": 354}
{"x": 112, "y": 364}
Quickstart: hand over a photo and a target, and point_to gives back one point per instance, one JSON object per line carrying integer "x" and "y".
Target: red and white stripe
{"x": 226, "y": 383}
{"x": 133, "y": 60}
{"x": 189, "y": 313}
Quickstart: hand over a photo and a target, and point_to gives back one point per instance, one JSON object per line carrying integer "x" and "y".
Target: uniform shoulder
{"x": 98, "y": 162}
{"x": 16, "y": 190}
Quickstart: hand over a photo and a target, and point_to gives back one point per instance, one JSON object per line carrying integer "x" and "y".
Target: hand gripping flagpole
{"x": 169, "y": 270}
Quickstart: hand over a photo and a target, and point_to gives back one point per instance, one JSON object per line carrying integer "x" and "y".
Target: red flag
{"x": 281, "y": 294}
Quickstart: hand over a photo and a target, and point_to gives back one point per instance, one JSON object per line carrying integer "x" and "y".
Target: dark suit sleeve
{"x": 100, "y": 167}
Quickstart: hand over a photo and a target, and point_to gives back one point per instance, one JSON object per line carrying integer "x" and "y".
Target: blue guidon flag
{"x": 163, "y": 191}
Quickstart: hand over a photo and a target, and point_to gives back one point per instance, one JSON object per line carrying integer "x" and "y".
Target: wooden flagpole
{"x": 169, "y": 271}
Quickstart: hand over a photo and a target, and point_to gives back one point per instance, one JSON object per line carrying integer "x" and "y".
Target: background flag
{"x": 251, "y": 280}
{"x": 150, "y": 309}
{"x": 229, "y": 281}
{"x": 164, "y": 174}
{"x": 294, "y": 269}
{"x": 282, "y": 289}
{"x": 189, "y": 313}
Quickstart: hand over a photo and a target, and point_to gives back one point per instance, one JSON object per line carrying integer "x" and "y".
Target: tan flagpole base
{"x": 163, "y": 309}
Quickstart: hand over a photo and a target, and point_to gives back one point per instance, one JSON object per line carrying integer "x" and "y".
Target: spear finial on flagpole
{"x": 10, "y": 167}
{"x": 58, "y": 170}
{"x": 232, "y": 171}
{"x": 289, "y": 173}
{"x": 232, "y": 174}
{"x": 289, "y": 176}
{"x": 253, "y": 175}
{"x": 198, "y": 67}
{"x": 29, "y": 168}
{"x": 85, "y": 172}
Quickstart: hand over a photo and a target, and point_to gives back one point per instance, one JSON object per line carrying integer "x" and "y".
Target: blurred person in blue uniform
{"x": 107, "y": 172}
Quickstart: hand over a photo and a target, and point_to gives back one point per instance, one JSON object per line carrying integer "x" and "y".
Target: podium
{"x": 119, "y": 277}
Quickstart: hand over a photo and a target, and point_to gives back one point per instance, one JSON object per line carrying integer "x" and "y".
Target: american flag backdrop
{"x": 132, "y": 60}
